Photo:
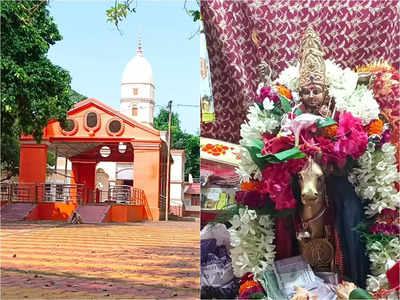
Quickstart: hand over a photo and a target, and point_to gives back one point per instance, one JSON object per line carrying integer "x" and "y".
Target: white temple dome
{"x": 138, "y": 70}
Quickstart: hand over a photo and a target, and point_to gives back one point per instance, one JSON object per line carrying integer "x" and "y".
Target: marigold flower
{"x": 330, "y": 131}
{"x": 284, "y": 91}
{"x": 375, "y": 127}
{"x": 250, "y": 186}
{"x": 248, "y": 284}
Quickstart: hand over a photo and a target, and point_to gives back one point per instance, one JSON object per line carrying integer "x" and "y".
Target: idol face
{"x": 313, "y": 97}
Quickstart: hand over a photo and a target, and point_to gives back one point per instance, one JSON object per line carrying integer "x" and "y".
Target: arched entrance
{"x": 95, "y": 133}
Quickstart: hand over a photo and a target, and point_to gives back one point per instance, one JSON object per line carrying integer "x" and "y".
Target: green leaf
{"x": 259, "y": 144}
{"x": 257, "y": 295}
{"x": 360, "y": 294}
{"x": 277, "y": 111}
{"x": 195, "y": 14}
{"x": 260, "y": 105}
{"x": 326, "y": 122}
{"x": 285, "y": 104}
{"x": 255, "y": 153}
{"x": 293, "y": 153}
{"x": 298, "y": 112}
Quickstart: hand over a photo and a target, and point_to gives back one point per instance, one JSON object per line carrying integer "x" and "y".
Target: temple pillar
{"x": 84, "y": 172}
{"x": 146, "y": 174}
{"x": 32, "y": 168}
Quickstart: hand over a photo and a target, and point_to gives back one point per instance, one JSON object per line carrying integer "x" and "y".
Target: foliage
{"x": 9, "y": 154}
{"x": 119, "y": 11}
{"x": 10, "y": 147}
{"x": 195, "y": 14}
{"x": 181, "y": 140}
{"x": 33, "y": 89}
{"x": 76, "y": 97}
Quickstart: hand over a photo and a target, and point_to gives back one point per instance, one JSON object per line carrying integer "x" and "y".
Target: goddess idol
{"x": 302, "y": 194}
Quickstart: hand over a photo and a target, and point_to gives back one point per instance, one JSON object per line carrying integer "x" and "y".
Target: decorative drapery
{"x": 353, "y": 32}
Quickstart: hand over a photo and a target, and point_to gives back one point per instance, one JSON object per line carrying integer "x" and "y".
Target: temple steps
{"x": 12, "y": 212}
{"x": 92, "y": 213}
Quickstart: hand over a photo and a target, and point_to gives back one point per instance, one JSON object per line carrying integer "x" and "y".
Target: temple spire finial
{"x": 139, "y": 50}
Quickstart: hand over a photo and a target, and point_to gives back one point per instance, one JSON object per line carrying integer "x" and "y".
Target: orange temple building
{"x": 115, "y": 162}
{"x": 97, "y": 133}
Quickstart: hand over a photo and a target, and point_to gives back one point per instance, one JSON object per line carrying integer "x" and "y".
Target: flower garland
{"x": 383, "y": 254}
{"x": 375, "y": 177}
{"x": 252, "y": 241}
{"x": 375, "y": 182}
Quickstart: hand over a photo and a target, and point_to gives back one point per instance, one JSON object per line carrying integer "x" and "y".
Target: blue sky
{"x": 95, "y": 53}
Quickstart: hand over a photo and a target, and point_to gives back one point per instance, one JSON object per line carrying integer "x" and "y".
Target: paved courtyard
{"x": 49, "y": 260}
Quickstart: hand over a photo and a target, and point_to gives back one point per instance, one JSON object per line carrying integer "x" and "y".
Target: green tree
{"x": 181, "y": 140}
{"x": 119, "y": 11}
{"x": 33, "y": 89}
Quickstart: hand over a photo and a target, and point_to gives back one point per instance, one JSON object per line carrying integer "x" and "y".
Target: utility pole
{"x": 168, "y": 160}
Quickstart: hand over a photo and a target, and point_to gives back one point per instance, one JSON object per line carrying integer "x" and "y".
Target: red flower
{"x": 276, "y": 180}
{"x": 273, "y": 144}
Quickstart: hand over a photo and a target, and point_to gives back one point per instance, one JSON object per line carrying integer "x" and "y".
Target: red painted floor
{"x": 48, "y": 260}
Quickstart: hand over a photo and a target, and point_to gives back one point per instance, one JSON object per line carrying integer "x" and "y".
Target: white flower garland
{"x": 374, "y": 179}
{"x": 290, "y": 77}
{"x": 382, "y": 259}
{"x": 247, "y": 168}
{"x": 252, "y": 238}
{"x": 259, "y": 122}
{"x": 361, "y": 104}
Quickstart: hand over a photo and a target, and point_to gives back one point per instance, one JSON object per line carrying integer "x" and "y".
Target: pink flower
{"x": 267, "y": 92}
{"x": 352, "y": 138}
{"x": 390, "y": 213}
{"x": 390, "y": 229}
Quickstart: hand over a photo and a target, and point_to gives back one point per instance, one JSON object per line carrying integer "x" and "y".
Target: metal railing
{"x": 119, "y": 194}
{"x": 18, "y": 192}
{"x": 44, "y": 192}
{"x": 54, "y": 192}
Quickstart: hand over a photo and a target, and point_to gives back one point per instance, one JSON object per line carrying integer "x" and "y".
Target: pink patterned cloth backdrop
{"x": 352, "y": 32}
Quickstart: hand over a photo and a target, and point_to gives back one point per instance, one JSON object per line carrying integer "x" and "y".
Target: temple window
{"x": 91, "y": 120}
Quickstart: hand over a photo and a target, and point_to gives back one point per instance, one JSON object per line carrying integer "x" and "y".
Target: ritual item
{"x": 315, "y": 238}
{"x": 313, "y": 82}
{"x": 271, "y": 286}
{"x": 303, "y": 294}
{"x": 219, "y": 151}
{"x": 216, "y": 280}
{"x": 344, "y": 289}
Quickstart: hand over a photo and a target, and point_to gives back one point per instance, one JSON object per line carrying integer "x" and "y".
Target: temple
{"x": 111, "y": 165}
